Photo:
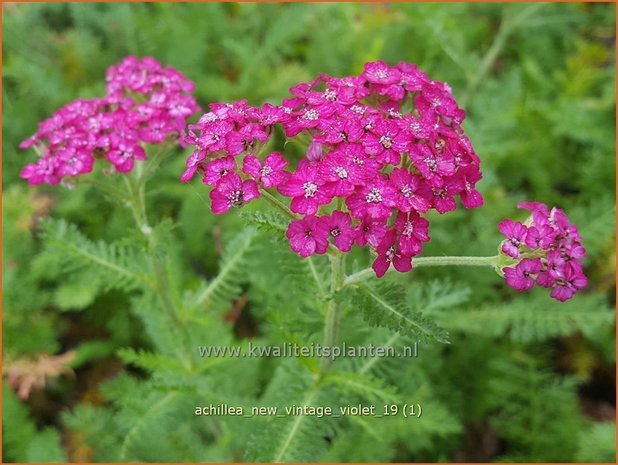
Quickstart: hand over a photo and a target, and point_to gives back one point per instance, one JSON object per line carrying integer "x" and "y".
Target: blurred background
{"x": 538, "y": 84}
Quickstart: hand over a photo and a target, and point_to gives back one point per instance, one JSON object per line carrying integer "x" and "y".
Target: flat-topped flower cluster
{"x": 144, "y": 103}
{"x": 385, "y": 148}
{"x": 549, "y": 251}
{"x": 382, "y": 149}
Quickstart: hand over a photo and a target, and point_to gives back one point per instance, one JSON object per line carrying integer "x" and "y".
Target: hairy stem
{"x": 280, "y": 206}
{"x": 333, "y": 314}
{"x": 367, "y": 273}
{"x": 137, "y": 200}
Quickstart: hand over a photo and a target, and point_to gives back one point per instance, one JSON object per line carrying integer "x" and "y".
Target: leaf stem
{"x": 365, "y": 274}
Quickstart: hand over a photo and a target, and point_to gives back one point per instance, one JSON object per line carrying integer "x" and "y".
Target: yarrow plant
{"x": 381, "y": 153}
{"x": 144, "y": 104}
{"x": 384, "y": 148}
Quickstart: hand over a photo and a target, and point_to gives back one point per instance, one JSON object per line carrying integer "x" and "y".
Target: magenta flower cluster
{"x": 549, "y": 251}
{"x": 384, "y": 148}
{"x": 144, "y": 103}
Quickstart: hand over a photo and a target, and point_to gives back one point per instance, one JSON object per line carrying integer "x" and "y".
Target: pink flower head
{"x": 232, "y": 191}
{"x": 193, "y": 164}
{"x": 569, "y": 282}
{"x": 216, "y": 169}
{"x": 307, "y": 236}
{"x": 413, "y": 231}
{"x": 271, "y": 173}
{"x": 144, "y": 103}
{"x": 370, "y": 231}
{"x": 306, "y": 187}
{"x": 521, "y": 277}
{"x": 339, "y": 227}
{"x": 388, "y": 253}
{"x": 515, "y": 233}
{"x": 387, "y": 144}
{"x": 553, "y": 244}
{"x": 409, "y": 192}
{"x": 244, "y": 139}
{"x": 379, "y": 72}
{"x": 375, "y": 199}
{"x": 124, "y": 155}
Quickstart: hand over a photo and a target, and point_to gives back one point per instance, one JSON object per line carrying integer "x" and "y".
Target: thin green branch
{"x": 316, "y": 277}
{"x": 333, "y": 314}
{"x": 367, "y": 273}
{"x": 280, "y": 206}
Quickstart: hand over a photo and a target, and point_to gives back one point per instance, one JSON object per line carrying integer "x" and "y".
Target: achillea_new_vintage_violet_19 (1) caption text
{"x": 334, "y": 232}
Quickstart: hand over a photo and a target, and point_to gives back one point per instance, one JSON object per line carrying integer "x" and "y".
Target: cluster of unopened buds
{"x": 144, "y": 103}
{"x": 384, "y": 148}
{"x": 548, "y": 251}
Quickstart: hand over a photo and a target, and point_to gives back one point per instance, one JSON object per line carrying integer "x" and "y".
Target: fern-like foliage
{"x": 598, "y": 443}
{"x": 526, "y": 401}
{"x": 362, "y": 385}
{"x": 225, "y": 286}
{"x": 535, "y": 318}
{"x": 266, "y": 221}
{"x": 21, "y": 440}
{"x": 293, "y": 268}
{"x": 385, "y": 304}
{"x": 291, "y": 438}
{"x": 96, "y": 263}
{"x": 150, "y": 361}
{"x": 437, "y": 295}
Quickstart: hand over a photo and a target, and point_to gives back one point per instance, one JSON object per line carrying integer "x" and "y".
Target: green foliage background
{"x": 523, "y": 379}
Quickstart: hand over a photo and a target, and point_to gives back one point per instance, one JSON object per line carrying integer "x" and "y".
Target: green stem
{"x": 105, "y": 188}
{"x": 333, "y": 313}
{"x": 148, "y": 169}
{"x": 365, "y": 274}
{"x": 137, "y": 201}
{"x": 275, "y": 202}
